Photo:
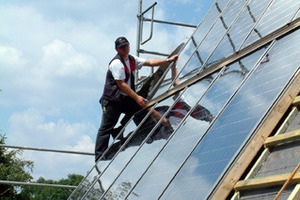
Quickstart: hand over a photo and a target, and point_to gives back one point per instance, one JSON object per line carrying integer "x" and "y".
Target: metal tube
{"x": 294, "y": 15}
{"x": 152, "y": 52}
{"x": 139, "y": 27}
{"x": 37, "y": 184}
{"x": 147, "y": 9}
{"x": 151, "y": 30}
{"x": 43, "y": 149}
{"x": 170, "y": 23}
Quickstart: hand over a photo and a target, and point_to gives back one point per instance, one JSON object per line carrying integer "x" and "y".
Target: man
{"x": 119, "y": 94}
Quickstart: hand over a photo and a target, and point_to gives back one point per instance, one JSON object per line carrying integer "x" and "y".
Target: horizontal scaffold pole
{"x": 37, "y": 184}
{"x": 50, "y": 150}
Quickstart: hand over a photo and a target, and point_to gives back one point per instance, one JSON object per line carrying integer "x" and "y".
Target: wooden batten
{"x": 296, "y": 102}
{"x": 295, "y": 195}
{"x": 264, "y": 182}
{"x": 282, "y": 138}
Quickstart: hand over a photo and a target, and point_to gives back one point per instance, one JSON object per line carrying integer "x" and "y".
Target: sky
{"x": 53, "y": 60}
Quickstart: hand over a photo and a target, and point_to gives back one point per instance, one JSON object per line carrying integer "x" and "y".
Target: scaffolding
{"x": 139, "y": 38}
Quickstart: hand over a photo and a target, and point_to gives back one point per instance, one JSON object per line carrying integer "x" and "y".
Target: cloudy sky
{"x": 53, "y": 58}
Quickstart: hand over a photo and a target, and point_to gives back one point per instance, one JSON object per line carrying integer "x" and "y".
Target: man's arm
{"x": 159, "y": 61}
{"x": 125, "y": 88}
{"x": 140, "y": 100}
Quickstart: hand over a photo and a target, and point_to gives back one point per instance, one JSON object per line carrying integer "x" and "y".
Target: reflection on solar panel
{"x": 217, "y": 149}
{"x": 237, "y": 63}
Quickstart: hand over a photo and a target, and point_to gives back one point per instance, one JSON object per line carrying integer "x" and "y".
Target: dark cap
{"x": 121, "y": 41}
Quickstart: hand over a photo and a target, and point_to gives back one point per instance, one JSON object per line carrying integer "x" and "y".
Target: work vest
{"x": 111, "y": 90}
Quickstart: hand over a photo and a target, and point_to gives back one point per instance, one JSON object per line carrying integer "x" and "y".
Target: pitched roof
{"x": 239, "y": 73}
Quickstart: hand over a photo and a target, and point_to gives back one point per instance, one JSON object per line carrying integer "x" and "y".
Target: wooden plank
{"x": 295, "y": 195}
{"x": 236, "y": 196}
{"x": 266, "y": 182}
{"x": 256, "y": 167}
{"x": 287, "y": 121}
{"x": 242, "y": 162}
{"x": 296, "y": 102}
{"x": 282, "y": 138}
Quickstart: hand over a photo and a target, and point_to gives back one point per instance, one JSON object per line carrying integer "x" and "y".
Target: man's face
{"x": 123, "y": 50}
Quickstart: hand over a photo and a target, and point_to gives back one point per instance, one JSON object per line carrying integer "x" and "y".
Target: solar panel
{"x": 227, "y": 136}
{"x": 190, "y": 48}
{"x": 212, "y": 119}
{"x": 233, "y": 40}
{"x": 278, "y": 14}
{"x": 191, "y": 130}
{"x": 157, "y": 139}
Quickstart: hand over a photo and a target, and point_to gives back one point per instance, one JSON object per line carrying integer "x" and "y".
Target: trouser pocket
{"x": 104, "y": 104}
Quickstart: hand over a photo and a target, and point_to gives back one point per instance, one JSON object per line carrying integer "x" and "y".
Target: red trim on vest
{"x": 132, "y": 66}
{"x": 126, "y": 69}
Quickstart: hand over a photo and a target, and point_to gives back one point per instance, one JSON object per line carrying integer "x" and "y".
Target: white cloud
{"x": 30, "y": 128}
{"x": 63, "y": 75}
{"x": 11, "y": 59}
{"x": 63, "y": 60}
{"x": 84, "y": 144}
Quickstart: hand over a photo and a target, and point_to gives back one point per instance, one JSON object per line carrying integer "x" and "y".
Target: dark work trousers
{"x": 110, "y": 117}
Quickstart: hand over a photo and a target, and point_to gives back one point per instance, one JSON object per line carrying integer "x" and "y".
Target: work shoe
{"x": 116, "y": 131}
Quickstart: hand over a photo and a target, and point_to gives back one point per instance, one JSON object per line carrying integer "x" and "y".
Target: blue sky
{"x": 53, "y": 58}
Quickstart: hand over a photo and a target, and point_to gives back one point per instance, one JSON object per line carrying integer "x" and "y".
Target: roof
{"x": 239, "y": 74}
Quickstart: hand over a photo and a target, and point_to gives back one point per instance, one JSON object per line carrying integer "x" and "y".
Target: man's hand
{"x": 141, "y": 101}
{"x": 174, "y": 58}
{"x": 125, "y": 88}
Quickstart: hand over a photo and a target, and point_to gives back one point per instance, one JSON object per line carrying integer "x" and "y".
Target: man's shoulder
{"x": 115, "y": 61}
{"x": 115, "y": 64}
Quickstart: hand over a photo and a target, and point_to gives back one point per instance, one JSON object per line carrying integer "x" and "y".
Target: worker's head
{"x": 121, "y": 41}
{"x": 122, "y": 46}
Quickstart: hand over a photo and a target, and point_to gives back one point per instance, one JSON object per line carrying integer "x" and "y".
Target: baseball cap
{"x": 121, "y": 41}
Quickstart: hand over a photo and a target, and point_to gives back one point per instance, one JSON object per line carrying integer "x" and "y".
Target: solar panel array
{"x": 211, "y": 118}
